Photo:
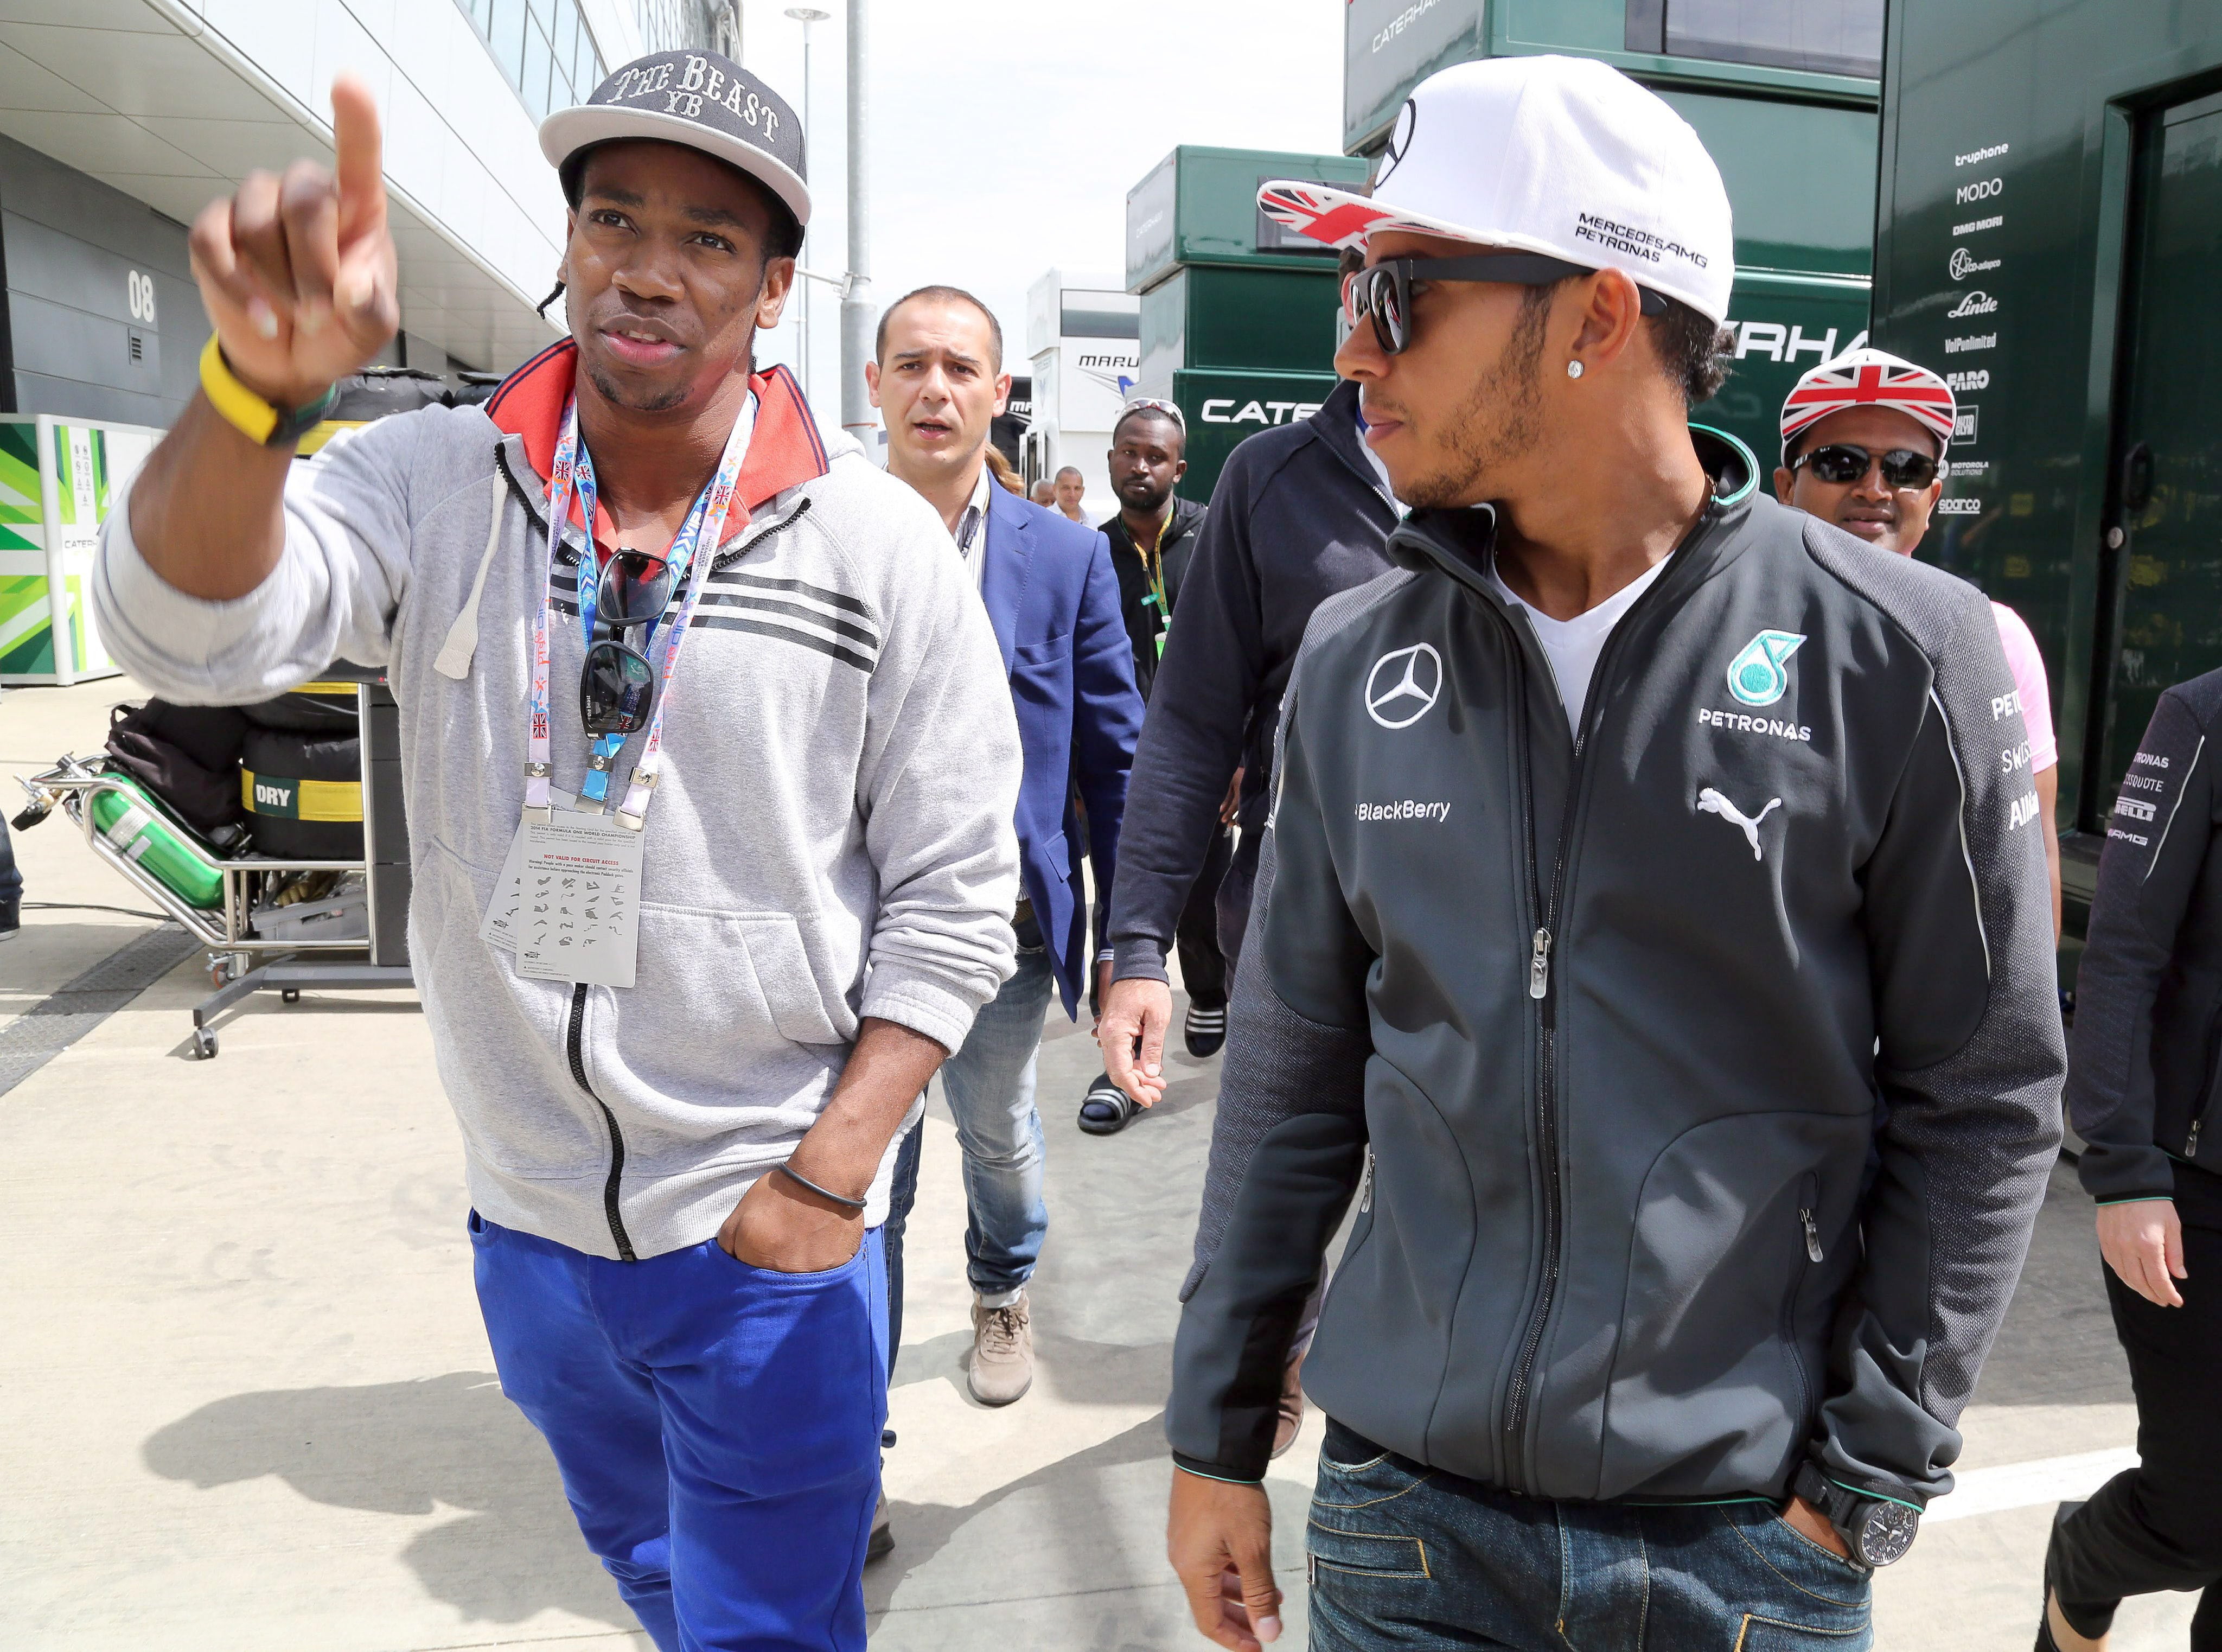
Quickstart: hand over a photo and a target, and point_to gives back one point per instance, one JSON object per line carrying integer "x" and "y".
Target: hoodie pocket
{"x": 1710, "y": 1384}
{"x": 737, "y": 980}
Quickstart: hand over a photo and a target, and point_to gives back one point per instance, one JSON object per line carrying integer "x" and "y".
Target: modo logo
{"x": 1403, "y": 686}
{"x": 1981, "y": 192}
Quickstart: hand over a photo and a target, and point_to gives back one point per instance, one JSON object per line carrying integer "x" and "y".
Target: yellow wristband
{"x": 248, "y": 413}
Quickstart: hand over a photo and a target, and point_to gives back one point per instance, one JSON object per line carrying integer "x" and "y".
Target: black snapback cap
{"x": 699, "y": 100}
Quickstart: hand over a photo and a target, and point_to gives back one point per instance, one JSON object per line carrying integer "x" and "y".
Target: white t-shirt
{"x": 1572, "y": 645}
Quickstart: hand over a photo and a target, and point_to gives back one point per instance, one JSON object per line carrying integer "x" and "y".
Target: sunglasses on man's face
{"x": 1842, "y": 463}
{"x": 1384, "y": 291}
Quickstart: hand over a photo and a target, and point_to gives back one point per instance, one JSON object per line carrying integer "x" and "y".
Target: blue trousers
{"x": 1404, "y": 1556}
{"x": 717, "y": 1426}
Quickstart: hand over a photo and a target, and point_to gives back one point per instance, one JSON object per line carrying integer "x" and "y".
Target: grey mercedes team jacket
{"x": 1697, "y": 1079}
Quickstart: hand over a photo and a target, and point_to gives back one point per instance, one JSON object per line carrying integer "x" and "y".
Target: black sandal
{"x": 1106, "y": 1109}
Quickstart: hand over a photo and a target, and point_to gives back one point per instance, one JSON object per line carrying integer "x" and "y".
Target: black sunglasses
{"x": 1841, "y": 462}
{"x": 617, "y": 687}
{"x": 1384, "y": 291}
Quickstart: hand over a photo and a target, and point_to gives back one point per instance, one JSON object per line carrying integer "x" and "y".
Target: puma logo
{"x": 1711, "y": 802}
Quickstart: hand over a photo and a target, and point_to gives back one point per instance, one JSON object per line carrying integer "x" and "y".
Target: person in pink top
{"x": 1863, "y": 441}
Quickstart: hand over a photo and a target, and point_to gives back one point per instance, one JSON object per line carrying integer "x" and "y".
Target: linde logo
{"x": 1976, "y": 157}
{"x": 1959, "y": 507}
{"x": 1972, "y": 342}
{"x": 1977, "y": 303}
{"x": 1965, "y": 263}
{"x": 1978, "y": 191}
{"x": 1256, "y": 412}
{"x": 1974, "y": 225}
{"x": 1977, "y": 379}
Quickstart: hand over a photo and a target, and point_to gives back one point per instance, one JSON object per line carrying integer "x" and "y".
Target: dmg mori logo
{"x": 1403, "y": 686}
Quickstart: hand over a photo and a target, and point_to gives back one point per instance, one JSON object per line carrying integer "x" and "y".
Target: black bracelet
{"x": 794, "y": 1175}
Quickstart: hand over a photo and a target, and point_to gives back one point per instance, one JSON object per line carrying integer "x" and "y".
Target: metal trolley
{"x": 248, "y": 950}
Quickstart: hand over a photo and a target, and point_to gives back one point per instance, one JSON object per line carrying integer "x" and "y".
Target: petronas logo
{"x": 1756, "y": 676}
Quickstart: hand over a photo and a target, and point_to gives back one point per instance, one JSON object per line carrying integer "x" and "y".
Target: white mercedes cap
{"x": 1558, "y": 155}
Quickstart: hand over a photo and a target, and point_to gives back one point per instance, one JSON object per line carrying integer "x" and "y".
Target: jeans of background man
{"x": 1207, "y": 971}
{"x": 1400, "y": 1555}
{"x": 989, "y": 1087}
{"x": 2159, "y": 1525}
{"x": 11, "y": 882}
{"x": 717, "y": 1426}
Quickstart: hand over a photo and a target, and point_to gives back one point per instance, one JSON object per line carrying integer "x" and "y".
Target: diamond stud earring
{"x": 1573, "y": 369}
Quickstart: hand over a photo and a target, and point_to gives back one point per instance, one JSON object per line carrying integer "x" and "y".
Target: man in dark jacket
{"x": 1152, "y": 538}
{"x": 1299, "y": 514}
{"x": 2141, "y": 1094}
{"x": 1627, "y": 844}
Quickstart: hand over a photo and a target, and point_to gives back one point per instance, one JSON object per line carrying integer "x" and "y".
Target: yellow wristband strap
{"x": 248, "y": 413}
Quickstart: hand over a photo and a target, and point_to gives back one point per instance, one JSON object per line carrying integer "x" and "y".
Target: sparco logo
{"x": 1978, "y": 303}
{"x": 1982, "y": 191}
{"x": 1979, "y": 380}
{"x": 1959, "y": 507}
{"x": 1965, "y": 263}
{"x": 1403, "y": 685}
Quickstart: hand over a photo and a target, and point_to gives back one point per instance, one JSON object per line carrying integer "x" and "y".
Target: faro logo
{"x": 1979, "y": 380}
{"x": 1979, "y": 191}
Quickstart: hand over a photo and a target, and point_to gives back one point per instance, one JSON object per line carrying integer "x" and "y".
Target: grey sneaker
{"x": 1003, "y": 1352}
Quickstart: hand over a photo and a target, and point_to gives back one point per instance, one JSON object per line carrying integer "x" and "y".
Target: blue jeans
{"x": 1404, "y": 1556}
{"x": 717, "y": 1426}
{"x": 989, "y": 1085}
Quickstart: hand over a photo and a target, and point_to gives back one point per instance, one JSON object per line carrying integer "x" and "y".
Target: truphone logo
{"x": 1403, "y": 686}
{"x": 1756, "y": 676}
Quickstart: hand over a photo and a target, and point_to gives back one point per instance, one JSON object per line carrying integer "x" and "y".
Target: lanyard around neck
{"x": 573, "y": 471}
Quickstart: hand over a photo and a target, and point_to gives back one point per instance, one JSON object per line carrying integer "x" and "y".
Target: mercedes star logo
{"x": 1403, "y": 685}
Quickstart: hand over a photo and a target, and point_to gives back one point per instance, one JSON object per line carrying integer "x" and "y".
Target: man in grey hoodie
{"x": 677, "y": 1135}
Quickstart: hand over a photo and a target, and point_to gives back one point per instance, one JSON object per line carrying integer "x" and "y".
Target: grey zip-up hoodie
{"x": 832, "y": 838}
{"x": 1602, "y": 1023}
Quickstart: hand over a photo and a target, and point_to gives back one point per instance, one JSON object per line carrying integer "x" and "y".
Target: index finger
{"x": 359, "y": 159}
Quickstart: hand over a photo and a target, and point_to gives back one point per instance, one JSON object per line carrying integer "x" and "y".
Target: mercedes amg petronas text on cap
{"x": 699, "y": 100}
{"x": 1556, "y": 155}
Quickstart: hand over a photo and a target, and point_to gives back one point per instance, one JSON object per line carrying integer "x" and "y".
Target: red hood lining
{"x": 784, "y": 451}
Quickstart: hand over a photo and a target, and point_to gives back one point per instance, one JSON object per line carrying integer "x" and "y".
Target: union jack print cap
{"x": 1558, "y": 155}
{"x": 1868, "y": 378}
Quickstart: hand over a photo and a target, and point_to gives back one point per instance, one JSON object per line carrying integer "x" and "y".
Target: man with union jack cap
{"x": 1863, "y": 444}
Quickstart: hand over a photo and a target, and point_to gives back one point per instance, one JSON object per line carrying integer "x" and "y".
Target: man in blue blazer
{"x": 938, "y": 379}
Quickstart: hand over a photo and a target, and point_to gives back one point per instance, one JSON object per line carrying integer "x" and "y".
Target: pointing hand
{"x": 299, "y": 272}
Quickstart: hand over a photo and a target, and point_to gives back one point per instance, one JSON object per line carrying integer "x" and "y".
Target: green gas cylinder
{"x": 137, "y": 829}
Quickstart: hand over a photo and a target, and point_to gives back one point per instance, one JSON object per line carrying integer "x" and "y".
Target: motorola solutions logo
{"x": 1403, "y": 686}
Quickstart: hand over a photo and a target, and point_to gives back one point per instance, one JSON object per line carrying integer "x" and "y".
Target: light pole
{"x": 856, "y": 295}
{"x": 805, "y": 16}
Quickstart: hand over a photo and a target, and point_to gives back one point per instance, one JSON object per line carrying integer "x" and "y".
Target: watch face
{"x": 1886, "y": 1532}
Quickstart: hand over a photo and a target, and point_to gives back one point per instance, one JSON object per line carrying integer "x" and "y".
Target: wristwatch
{"x": 1875, "y": 1528}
